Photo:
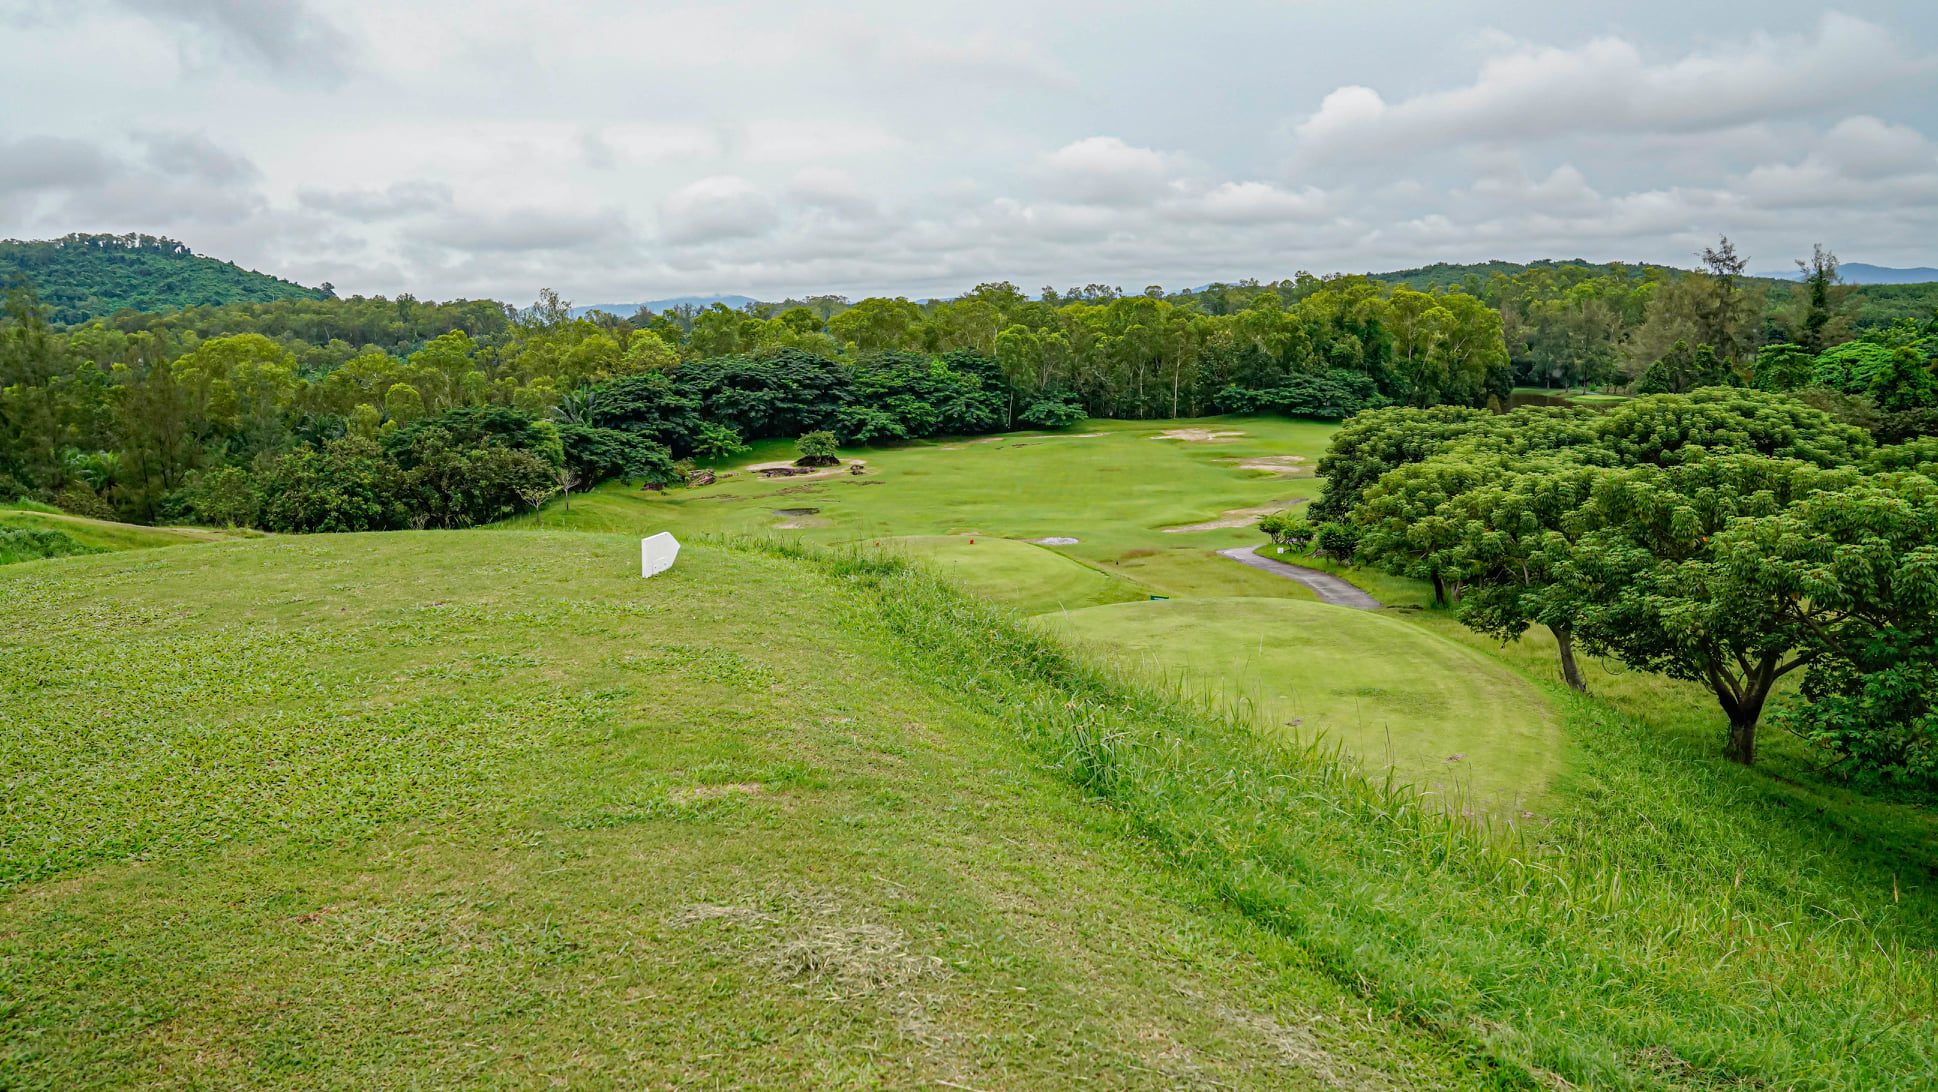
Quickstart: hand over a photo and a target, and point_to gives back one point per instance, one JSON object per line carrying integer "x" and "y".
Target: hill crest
{"x": 83, "y": 276}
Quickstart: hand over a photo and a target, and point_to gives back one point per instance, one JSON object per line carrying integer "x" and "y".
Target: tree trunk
{"x": 1564, "y": 640}
{"x": 1439, "y": 590}
{"x": 1744, "y": 705}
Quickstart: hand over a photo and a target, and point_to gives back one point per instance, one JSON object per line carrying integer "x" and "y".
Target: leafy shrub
{"x": 1334, "y": 395}
{"x": 450, "y": 485}
{"x": 225, "y": 498}
{"x": 713, "y": 441}
{"x": 817, "y": 449}
{"x": 32, "y": 544}
{"x": 1052, "y": 413}
{"x": 1338, "y": 541}
{"x": 1287, "y": 528}
{"x": 348, "y": 485}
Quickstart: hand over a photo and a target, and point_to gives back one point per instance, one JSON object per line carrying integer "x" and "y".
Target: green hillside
{"x": 474, "y": 809}
{"x": 88, "y": 276}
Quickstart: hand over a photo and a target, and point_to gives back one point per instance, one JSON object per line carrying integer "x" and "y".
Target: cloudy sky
{"x": 620, "y": 151}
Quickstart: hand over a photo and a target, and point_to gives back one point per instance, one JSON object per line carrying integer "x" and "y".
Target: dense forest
{"x": 89, "y": 276}
{"x": 212, "y": 412}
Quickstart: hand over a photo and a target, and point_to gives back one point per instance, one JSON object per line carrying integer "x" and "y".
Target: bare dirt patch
{"x": 1235, "y": 517}
{"x": 1292, "y": 466}
{"x": 1198, "y": 435}
{"x": 801, "y": 473}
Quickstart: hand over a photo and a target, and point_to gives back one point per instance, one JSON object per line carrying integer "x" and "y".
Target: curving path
{"x": 1328, "y": 587}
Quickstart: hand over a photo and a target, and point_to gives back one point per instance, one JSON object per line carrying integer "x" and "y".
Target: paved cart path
{"x": 1330, "y": 588}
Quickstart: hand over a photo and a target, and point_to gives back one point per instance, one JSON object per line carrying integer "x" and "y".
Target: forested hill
{"x": 90, "y": 276}
{"x": 1449, "y": 275}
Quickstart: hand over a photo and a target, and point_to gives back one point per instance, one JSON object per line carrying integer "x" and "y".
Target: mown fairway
{"x": 464, "y": 810}
{"x": 1113, "y": 485}
{"x": 1394, "y": 696}
{"x": 1438, "y": 715}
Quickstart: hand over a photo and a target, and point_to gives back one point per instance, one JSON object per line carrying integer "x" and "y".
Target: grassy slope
{"x": 1126, "y": 485}
{"x": 1393, "y": 694}
{"x": 1028, "y": 577}
{"x": 106, "y": 534}
{"x": 459, "y": 810}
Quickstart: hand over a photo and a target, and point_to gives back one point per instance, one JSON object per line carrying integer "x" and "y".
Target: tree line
{"x": 142, "y": 415}
{"x": 1727, "y": 536}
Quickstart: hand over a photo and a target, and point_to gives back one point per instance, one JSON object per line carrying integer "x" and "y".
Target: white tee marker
{"x": 656, "y": 554}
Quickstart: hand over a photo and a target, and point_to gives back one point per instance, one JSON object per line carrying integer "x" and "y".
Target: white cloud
{"x": 524, "y": 231}
{"x": 279, "y": 34}
{"x": 1535, "y": 92}
{"x": 1103, "y": 170}
{"x": 614, "y": 151}
{"x": 394, "y": 201}
{"x": 773, "y": 139}
{"x": 832, "y": 189}
{"x": 654, "y": 142}
{"x": 722, "y": 207}
{"x": 1256, "y": 202}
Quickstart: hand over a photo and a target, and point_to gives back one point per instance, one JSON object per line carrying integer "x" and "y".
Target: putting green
{"x": 1023, "y": 575}
{"x": 1443, "y": 717}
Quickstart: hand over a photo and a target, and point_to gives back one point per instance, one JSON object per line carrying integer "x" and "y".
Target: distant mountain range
{"x": 92, "y": 276}
{"x": 627, "y": 310}
{"x": 1859, "y": 273}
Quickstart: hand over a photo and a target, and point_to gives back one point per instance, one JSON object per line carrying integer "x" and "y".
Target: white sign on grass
{"x": 656, "y": 554}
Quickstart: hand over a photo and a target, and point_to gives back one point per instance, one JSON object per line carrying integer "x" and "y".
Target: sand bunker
{"x": 1197, "y": 436}
{"x": 1236, "y": 517}
{"x": 804, "y": 474}
{"x": 1284, "y": 465}
{"x": 1055, "y": 540}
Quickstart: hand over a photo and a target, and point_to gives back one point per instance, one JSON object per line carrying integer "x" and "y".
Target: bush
{"x": 1052, "y": 413}
{"x": 78, "y": 500}
{"x": 32, "y": 544}
{"x": 450, "y": 485}
{"x": 600, "y": 454}
{"x": 713, "y": 442}
{"x": 1287, "y": 528}
{"x": 817, "y": 449}
{"x": 1338, "y": 541}
{"x": 225, "y": 498}
{"x": 346, "y": 486}
{"x": 1334, "y": 395}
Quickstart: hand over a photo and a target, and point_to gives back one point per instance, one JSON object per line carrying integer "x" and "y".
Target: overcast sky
{"x": 621, "y": 151}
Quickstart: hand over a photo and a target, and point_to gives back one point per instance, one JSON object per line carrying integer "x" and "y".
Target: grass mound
{"x": 1023, "y": 575}
{"x": 1439, "y": 715}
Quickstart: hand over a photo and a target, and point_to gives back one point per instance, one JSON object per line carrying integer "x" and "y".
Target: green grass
{"x": 25, "y": 504}
{"x": 467, "y": 809}
{"x": 1028, "y": 577}
{"x": 1110, "y": 484}
{"x": 106, "y": 534}
{"x": 1438, "y": 715}
{"x": 1673, "y": 927}
{"x": 470, "y": 810}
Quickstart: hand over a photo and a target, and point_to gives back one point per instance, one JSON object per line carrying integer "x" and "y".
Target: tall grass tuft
{"x": 1670, "y": 930}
